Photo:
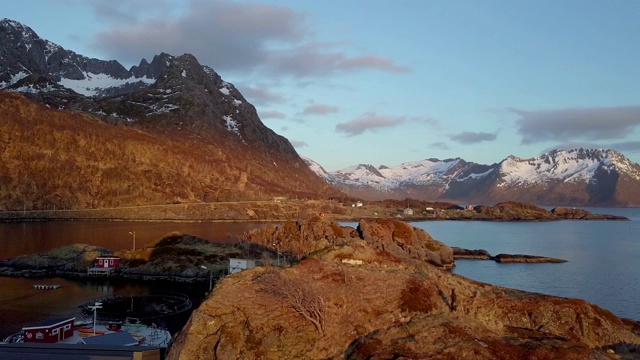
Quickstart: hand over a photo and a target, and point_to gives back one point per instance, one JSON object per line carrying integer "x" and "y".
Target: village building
{"x": 408, "y": 211}
{"x": 104, "y": 265}
{"x": 49, "y": 331}
{"x": 237, "y": 265}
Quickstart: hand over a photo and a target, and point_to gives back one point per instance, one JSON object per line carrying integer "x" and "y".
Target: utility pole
{"x": 134, "y": 238}
{"x": 95, "y": 307}
{"x": 210, "y": 277}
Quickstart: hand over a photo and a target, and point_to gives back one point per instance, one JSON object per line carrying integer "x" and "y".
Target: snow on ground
{"x": 93, "y": 83}
{"x": 421, "y": 172}
{"x": 14, "y": 79}
{"x": 155, "y": 109}
{"x": 563, "y": 165}
{"x": 30, "y": 89}
{"x": 232, "y": 125}
{"x": 315, "y": 167}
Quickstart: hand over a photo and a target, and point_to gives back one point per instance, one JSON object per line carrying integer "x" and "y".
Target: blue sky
{"x": 386, "y": 82}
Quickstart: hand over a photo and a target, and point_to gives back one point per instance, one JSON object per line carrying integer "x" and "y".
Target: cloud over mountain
{"x": 595, "y": 123}
{"x": 470, "y": 137}
{"x": 272, "y": 115}
{"x": 368, "y": 121}
{"x": 231, "y": 36}
{"x": 320, "y": 109}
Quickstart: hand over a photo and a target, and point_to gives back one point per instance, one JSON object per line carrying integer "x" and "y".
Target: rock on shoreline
{"x": 481, "y": 254}
{"x": 520, "y": 258}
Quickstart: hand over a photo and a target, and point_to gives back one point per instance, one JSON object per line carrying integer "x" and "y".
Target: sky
{"x": 385, "y": 82}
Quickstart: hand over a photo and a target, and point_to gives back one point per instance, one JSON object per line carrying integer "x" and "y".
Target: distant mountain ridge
{"x": 595, "y": 177}
{"x": 171, "y": 98}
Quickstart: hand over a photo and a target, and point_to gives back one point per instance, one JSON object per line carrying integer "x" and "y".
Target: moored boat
{"x": 128, "y": 333}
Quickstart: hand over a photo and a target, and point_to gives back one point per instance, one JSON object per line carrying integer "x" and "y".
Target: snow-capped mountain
{"x": 171, "y": 98}
{"x": 170, "y": 90}
{"x": 572, "y": 177}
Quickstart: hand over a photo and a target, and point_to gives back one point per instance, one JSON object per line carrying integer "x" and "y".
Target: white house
{"x": 408, "y": 211}
{"x": 237, "y": 265}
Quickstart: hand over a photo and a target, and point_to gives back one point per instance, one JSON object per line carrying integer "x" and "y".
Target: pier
{"x": 46, "y": 287}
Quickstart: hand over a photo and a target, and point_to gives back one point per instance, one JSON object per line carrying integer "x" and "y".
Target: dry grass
{"x": 418, "y": 296}
{"x": 52, "y": 159}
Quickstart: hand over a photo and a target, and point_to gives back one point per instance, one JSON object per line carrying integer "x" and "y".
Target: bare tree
{"x": 297, "y": 294}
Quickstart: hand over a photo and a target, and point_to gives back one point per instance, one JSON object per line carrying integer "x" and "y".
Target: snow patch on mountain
{"x": 456, "y": 178}
{"x": 94, "y": 84}
{"x": 316, "y": 168}
{"x": 569, "y": 166}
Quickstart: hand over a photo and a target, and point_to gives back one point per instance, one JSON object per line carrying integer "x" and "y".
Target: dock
{"x": 99, "y": 271}
{"x": 46, "y": 287}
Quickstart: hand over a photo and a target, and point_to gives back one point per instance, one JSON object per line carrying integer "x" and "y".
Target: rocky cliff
{"x": 400, "y": 239}
{"x": 351, "y": 300}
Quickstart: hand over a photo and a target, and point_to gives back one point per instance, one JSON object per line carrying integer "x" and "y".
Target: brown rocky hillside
{"x": 54, "y": 159}
{"x": 352, "y": 300}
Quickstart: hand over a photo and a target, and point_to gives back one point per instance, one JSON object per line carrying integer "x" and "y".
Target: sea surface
{"x": 603, "y": 259}
{"x": 603, "y": 256}
{"x": 21, "y": 304}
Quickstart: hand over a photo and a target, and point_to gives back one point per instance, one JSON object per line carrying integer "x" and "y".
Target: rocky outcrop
{"x": 403, "y": 240}
{"x": 301, "y": 238}
{"x": 516, "y": 211}
{"x": 174, "y": 257}
{"x": 580, "y": 214}
{"x": 70, "y": 258}
{"x": 480, "y": 254}
{"x": 353, "y": 301}
{"x": 520, "y": 258}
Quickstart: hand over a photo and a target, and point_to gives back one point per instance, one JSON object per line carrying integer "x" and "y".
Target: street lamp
{"x": 210, "y": 276}
{"x": 278, "y": 254}
{"x": 134, "y": 238}
{"x": 95, "y": 307}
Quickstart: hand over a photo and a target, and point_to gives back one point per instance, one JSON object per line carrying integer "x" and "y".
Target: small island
{"x": 481, "y": 254}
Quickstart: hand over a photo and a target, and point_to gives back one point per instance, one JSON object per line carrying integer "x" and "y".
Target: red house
{"x": 107, "y": 262}
{"x": 49, "y": 331}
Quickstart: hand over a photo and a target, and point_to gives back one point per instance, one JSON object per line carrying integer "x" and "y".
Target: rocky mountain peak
{"x": 569, "y": 177}
{"x": 151, "y": 70}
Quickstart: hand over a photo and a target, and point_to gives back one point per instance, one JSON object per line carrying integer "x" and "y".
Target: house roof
{"x": 116, "y": 338}
{"x": 48, "y": 323}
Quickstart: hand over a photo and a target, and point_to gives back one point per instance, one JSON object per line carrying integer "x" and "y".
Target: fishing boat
{"x": 130, "y": 332}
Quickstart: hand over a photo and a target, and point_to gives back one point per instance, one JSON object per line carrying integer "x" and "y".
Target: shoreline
{"x": 293, "y": 210}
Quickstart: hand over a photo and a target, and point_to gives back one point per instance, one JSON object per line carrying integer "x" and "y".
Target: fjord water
{"x": 603, "y": 257}
{"x": 603, "y": 267}
{"x": 21, "y": 304}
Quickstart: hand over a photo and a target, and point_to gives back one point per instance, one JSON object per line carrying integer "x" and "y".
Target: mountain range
{"x": 81, "y": 133}
{"x": 165, "y": 131}
{"x": 595, "y": 177}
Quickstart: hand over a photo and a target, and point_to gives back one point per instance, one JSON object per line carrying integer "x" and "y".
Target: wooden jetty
{"x": 46, "y": 287}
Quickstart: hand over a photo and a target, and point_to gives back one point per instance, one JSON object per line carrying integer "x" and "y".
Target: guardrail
{"x": 168, "y": 304}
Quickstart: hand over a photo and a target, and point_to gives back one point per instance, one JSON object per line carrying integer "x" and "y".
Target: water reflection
{"x": 36, "y": 237}
{"x": 21, "y": 304}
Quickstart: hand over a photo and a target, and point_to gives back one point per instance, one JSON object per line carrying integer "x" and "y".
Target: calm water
{"x": 20, "y": 304}
{"x": 604, "y": 257}
{"x": 603, "y": 267}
